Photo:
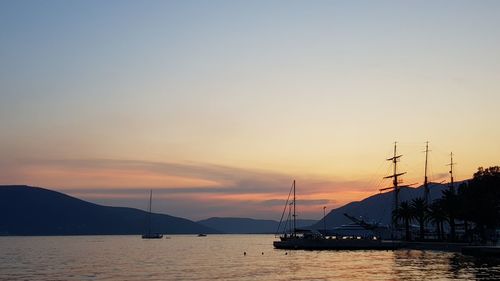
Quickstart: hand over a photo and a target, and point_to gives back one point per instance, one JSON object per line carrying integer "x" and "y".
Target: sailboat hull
{"x": 152, "y": 236}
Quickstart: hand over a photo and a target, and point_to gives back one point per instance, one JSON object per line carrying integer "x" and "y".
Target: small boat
{"x": 202, "y": 235}
{"x": 149, "y": 234}
{"x": 152, "y": 236}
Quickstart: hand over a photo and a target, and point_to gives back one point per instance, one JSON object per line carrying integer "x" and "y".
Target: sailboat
{"x": 149, "y": 234}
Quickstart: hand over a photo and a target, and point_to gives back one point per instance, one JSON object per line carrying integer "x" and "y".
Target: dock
{"x": 435, "y": 246}
{"x": 482, "y": 251}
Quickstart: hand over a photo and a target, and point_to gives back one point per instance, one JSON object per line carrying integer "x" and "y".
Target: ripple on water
{"x": 221, "y": 257}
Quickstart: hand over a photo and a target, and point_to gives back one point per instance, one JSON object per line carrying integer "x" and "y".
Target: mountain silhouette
{"x": 26, "y": 210}
{"x": 247, "y": 225}
{"x": 377, "y": 208}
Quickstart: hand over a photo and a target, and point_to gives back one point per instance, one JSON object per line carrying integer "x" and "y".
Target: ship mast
{"x": 426, "y": 183}
{"x": 149, "y": 216}
{"x": 294, "y": 215}
{"x": 395, "y": 181}
{"x": 452, "y": 186}
{"x": 288, "y": 205}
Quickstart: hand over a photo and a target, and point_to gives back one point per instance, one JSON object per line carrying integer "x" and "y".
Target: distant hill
{"x": 26, "y": 210}
{"x": 377, "y": 208}
{"x": 247, "y": 225}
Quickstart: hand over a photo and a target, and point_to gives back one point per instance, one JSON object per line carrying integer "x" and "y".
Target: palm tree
{"x": 450, "y": 206}
{"x": 404, "y": 212}
{"x": 437, "y": 216}
{"x": 465, "y": 210}
{"x": 419, "y": 209}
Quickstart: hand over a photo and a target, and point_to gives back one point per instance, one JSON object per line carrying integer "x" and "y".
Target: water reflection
{"x": 220, "y": 257}
{"x": 481, "y": 268}
{"x": 424, "y": 265}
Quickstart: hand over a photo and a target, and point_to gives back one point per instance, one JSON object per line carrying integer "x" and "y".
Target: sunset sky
{"x": 218, "y": 105}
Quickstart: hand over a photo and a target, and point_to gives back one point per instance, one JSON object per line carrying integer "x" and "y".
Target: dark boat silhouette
{"x": 149, "y": 234}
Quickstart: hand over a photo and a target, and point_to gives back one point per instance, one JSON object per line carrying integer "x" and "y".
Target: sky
{"x": 217, "y": 106}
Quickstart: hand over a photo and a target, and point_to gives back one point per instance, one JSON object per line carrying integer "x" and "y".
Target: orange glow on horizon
{"x": 108, "y": 178}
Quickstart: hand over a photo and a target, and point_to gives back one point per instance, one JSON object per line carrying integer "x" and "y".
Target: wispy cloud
{"x": 194, "y": 190}
{"x": 280, "y": 202}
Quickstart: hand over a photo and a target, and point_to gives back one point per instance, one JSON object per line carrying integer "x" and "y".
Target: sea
{"x": 221, "y": 257}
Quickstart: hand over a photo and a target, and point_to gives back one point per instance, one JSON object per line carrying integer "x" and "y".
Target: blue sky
{"x": 316, "y": 90}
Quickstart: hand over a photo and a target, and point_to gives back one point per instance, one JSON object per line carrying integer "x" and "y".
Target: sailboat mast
{"x": 149, "y": 216}
{"x": 150, "y": 199}
{"x": 452, "y": 186}
{"x": 426, "y": 183}
{"x": 294, "y": 215}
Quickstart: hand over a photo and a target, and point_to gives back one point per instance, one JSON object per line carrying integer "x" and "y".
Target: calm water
{"x": 220, "y": 257}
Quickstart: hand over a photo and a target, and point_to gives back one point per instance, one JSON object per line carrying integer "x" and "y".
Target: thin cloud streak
{"x": 225, "y": 178}
{"x": 230, "y": 191}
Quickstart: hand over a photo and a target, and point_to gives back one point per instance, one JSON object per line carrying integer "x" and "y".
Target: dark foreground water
{"x": 220, "y": 257}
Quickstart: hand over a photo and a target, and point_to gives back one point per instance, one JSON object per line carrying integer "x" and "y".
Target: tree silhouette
{"x": 419, "y": 212}
{"x": 450, "y": 204}
{"x": 405, "y": 213}
{"x": 476, "y": 203}
{"x": 465, "y": 209}
{"x": 482, "y": 196}
{"x": 437, "y": 216}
